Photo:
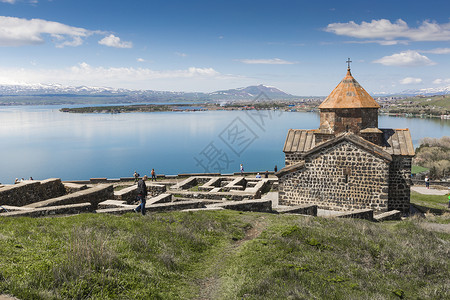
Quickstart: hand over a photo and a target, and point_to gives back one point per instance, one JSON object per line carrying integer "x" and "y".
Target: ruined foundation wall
{"x": 341, "y": 177}
{"x": 31, "y": 191}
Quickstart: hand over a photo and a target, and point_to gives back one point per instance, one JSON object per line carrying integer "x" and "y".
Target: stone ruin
{"x": 53, "y": 197}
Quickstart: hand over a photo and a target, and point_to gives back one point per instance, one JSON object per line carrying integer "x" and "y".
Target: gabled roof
{"x": 349, "y": 94}
{"x": 299, "y": 140}
{"x": 352, "y": 138}
{"x": 398, "y": 142}
{"x": 395, "y": 141}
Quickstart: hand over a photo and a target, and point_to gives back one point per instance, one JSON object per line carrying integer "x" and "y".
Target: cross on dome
{"x": 348, "y": 63}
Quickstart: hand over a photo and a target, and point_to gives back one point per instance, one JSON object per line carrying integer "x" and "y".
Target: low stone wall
{"x": 305, "y": 209}
{"x": 238, "y": 183}
{"x": 236, "y": 196}
{"x": 422, "y": 182}
{"x": 246, "y": 205}
{"x": 74, "y": 187}
{"x": 51, "y": 210}
{"x": 161, "y": 198}
{"x": 203, "y": 177}
{"x": 389, "y": 216}
{"x": 51, "y": 188}
{"x": 93, "y": 195}
{"x": 185, "y": 184}
{"x": 127, "y": 194}
{"x": 156, "y": 189}
{"x": 366, "y": 214}
{"x": 28, "y": 192}
{"x": 192, "y": 204}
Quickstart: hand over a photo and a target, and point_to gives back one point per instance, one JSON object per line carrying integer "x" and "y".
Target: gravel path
{"x": 431, "y": 191}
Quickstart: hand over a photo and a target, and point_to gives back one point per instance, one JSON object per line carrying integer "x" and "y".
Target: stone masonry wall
{"x": 340, "y": 177}
{"x": 292, "y": 158}
{"x": 400, "y": 183}
{"x": 31, "y": 191}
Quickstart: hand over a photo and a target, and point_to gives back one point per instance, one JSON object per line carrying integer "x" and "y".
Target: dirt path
{"x": 210, "y": 285}
{"x": 436, "y": 227}
{"x": 6, "y": 297}
{"x": 430, "y": 191}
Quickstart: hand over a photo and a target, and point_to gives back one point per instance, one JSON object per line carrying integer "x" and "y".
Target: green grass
{"x": 438, "y": 202}
{"x": 418, "y": 169}
{"x": 220, "y": 255}
{"x": 194, "y": 188}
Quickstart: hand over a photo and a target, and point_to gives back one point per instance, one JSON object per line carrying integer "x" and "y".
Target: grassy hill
{"x": 221, "y": 255}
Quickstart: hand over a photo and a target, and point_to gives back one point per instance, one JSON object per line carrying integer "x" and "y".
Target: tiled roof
{"x": 349, "y": 94}
{"x": 395, "y": 141}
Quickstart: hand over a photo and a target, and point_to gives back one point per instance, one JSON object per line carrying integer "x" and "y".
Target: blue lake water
{"x": 41, "y": 142}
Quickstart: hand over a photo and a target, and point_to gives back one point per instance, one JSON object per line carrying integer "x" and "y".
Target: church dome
{"x": 349, "y": 94}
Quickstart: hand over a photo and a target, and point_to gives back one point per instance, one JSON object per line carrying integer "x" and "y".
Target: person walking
{"x": 275, "y": 169}
{"x": 136, "y": 176}
{"x": 142, "y": 193}
{"x": 242, "y": 169}
{"x": 153, "y": 175}
{"x": 427, "y": 182}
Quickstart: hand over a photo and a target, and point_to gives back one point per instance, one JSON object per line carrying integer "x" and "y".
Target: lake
{"x": 41, "y": 142}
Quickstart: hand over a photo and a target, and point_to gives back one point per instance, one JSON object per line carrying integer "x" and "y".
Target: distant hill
{"x": 59, "y": 94}
{"x": 252, "y": 92}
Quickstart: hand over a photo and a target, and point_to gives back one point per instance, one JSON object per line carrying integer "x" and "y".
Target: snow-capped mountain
{"x": 126, "y": 95}
{"x": 429, "y": 91}
{"x": 253, "y": 91}
{"x": 42, "y": 89}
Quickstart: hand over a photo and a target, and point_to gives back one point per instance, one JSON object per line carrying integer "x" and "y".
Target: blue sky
{"x": 298, "y": 46}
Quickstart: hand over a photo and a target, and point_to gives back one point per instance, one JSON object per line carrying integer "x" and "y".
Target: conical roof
{"x": 349, "y": 94}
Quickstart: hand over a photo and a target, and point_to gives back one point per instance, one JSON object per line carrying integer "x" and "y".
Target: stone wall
{"x": 349, "y": 119}
{"x": 94, "y": 195}
{"x": 31, "y": 191}
{"x": 340, "y": 177}
{"x": 400, "y": 183}
{"x": 292, "y": 158}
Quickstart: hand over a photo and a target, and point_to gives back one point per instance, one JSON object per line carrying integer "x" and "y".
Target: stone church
{"x": 348, "y": 162}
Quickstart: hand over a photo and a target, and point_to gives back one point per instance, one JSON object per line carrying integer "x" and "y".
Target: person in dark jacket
{"x": 142, "y": 193}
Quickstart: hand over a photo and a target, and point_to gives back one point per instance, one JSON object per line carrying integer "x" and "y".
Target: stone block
{"x": 93, "y": 195}
{"x": 127, "y": 194}
{"x": 51, "y": 210}
{"x": 74, "y": 187}
{"x": 388, "y": 216}
{"x": 246, "y": 205}
{"x": 304, "y": 209}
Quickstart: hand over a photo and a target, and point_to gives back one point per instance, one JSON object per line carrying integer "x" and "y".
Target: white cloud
{"x": 270, "y": 61}
{"x": 85, "y": 74}
{"x": 114, "y": 41}
{"x": 8, "y": 1}
{"x": 141, "y": 60}
{"x": 16, "y": 32}
{"x": 441, "y": 81}
{"x": 385, "y": 30}
{"x": 21, "y": 32}
{"x": 437, "y": 51}
{"x": 181, "y": 54}
{"x": 407, "y": 58}
{"x": 410, "y": 80}
{"x": 381, "y": 42}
